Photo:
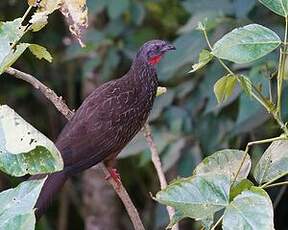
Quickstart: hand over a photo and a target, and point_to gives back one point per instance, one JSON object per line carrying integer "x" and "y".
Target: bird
{"x": 106, "y": 121}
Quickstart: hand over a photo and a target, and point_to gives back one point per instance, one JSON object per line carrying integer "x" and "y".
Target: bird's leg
{"x": 113, "y": 171}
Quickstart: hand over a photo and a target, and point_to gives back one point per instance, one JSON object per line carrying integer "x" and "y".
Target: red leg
{"x": 114, "y": 175}
{"x": 110, "y": 164}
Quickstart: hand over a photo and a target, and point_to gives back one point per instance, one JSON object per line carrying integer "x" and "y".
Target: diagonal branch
{"x": 63, "y": 108}
{"x": 158, "y": 166}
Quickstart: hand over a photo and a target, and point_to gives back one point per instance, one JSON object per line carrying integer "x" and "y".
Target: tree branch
{"x": 63, "y": 108}
{"x": 48, "y": 93}
{"x": 158, "y": 166}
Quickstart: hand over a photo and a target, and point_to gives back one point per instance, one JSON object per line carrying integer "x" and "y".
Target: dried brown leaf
{"x": 76, "y": 14}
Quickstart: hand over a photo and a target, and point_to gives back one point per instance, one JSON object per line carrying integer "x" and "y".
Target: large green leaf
{"x": 197, "y": 197}
{"x": 277, "y": 6}
{"x": 252, "y": 210}
{"x": 20, "y": 222}
{"x": 273, "y": 163}
{"x": 10, "y": 33}
{"x": 23, "y": 149}
{"x": 17, "y": 205}
{"x": 4, "y": 48}
{"x": 225, "y": 162}
{"x": 246, "y": 44}
{"x": 12, "y": 30}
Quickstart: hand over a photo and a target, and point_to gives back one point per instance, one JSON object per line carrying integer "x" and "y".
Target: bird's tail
{"x": 52, "y": 186}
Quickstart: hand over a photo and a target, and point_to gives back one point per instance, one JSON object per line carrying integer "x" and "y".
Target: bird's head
{"x": 152, "y": 51}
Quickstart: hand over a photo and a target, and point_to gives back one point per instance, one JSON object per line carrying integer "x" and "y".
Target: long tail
{"x": 52, "y": 186}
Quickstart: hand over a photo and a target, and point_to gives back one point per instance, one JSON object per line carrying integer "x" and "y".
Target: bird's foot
{"x": 114, "y": 175}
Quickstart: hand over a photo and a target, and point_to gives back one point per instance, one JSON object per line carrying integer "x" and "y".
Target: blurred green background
{"x": 187, "y": 122}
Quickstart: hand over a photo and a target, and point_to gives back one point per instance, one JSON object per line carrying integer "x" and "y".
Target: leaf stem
{"x": 281, "y": 69}
{"x": 26, "y": 13}
{"x": 217, "y": 223}
{"x": 210, "y": 47}
{"x": 268, "y": 105}
{"x": 271, "y": 181}
{"x": 276, "y": 184}
{"x": 247, "y": 149}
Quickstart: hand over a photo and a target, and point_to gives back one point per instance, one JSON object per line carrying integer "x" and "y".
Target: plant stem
{"x": 268, "y": 105}
{"x": 158, "y": 166}
{"x": 26, "y": 13}
{"x": 271, "y": 181}
{"x": 210, "y": 47}
{"x": 281, "y": 70}
{"x": 276, "y": 184}
{"x": 247, "y": 149}
{"x": 218, "y": 222}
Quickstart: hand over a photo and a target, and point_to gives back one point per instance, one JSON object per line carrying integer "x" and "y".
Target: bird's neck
{"x": 143, "y": 72}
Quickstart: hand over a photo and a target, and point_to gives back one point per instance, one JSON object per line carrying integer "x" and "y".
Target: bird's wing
{"x": 93, "y": 133}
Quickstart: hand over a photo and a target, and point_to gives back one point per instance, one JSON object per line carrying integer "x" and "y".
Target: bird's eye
{"x": 157, "y": 47}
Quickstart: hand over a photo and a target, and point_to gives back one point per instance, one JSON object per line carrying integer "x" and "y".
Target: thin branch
{"x": 63, "y": 108}
{"x": 158, "y": 166}
{"x": 47, "y": 92}
{"x": 217, "y": 223}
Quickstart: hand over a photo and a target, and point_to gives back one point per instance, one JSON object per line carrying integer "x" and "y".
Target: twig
{"x": 48, "y": 93}
{"x": 63, "y": 108}
{"x": 217, "y": 223}
{"x": 158, "y": 166}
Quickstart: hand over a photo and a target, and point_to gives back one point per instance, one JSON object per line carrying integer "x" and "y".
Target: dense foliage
{"x": 188, "y": 122}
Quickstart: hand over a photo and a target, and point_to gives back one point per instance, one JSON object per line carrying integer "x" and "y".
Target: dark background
{"x": 187, "y": 122}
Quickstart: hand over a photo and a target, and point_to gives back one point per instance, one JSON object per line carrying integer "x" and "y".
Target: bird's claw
{"x": 114, "y": 175}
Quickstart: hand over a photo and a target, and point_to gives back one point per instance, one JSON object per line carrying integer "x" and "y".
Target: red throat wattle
{"x": 155, "y": 59}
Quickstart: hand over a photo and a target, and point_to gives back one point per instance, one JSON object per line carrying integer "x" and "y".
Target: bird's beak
{"x": 168, "y": 47}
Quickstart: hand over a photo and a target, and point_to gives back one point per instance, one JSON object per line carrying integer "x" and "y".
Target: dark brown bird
{"x": 107, "y": 120}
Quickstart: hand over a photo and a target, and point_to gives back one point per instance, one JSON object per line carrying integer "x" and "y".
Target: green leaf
{"x": 246, "y": 44}
{"x": 204, "y": 58}
{"x": 23, "y": 149}
{"x": 277, "y": 6}
{"x": 13, "y": 56}
{"x": 251, "y": 210}
{"x": 4, "y": 48}
{"x": 240, "y": 187}
{"x": 224, "y": 87}
{"x": 197, "y": 197}
{"x": 25, "y": 221}
{"x": 40, "y": 52}
{"x": 17, "y": 205}
{"x": 246, "y": 84}
{"x": 12, "y": 30}
{"x": 225, "y": 162}
{"x": 273, "y": 163}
